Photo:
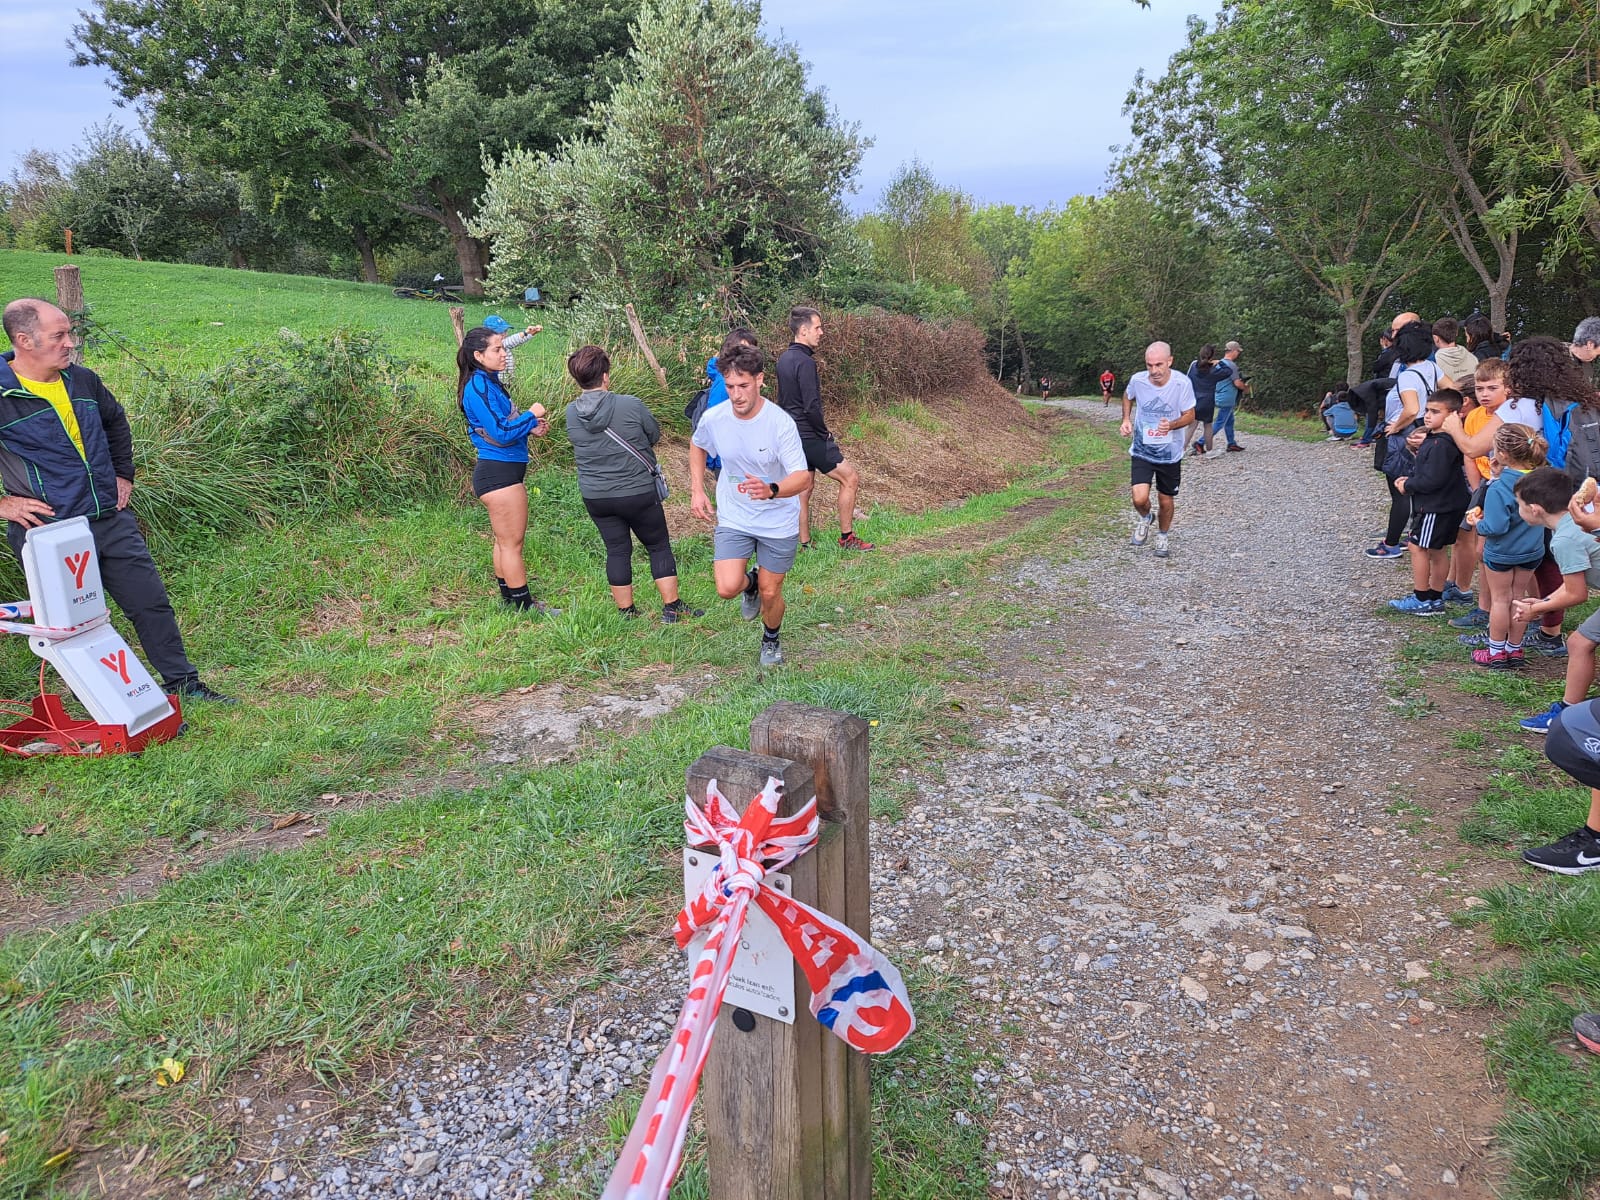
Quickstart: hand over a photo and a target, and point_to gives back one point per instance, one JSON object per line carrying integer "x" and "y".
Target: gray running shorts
{"x": 773, "y": 554}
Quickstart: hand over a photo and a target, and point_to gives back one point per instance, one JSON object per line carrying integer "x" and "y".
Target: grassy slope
{"x": 358, "y": 645}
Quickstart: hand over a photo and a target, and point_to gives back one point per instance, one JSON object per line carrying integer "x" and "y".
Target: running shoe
{"x": 851, "y": 542}
{"x": 1384, "y": 550}
{"x": 1162, "y": 550}
{"x": 1418, "y": 608}
{"x": 1199, "y": 449}
{"x": 677, "y": 611}
{"x": 1473, "y": 640}
{"x": 1541, "y": 722}
{"x": 1537, "y": 641}
{"x": 750, "y": 599}
{"x": 1476, "y": 619}
{"x": 1499, "y": 660}
{"x": 1141, "y": 531}
{"x": 1576, "y": 854}
{"x": 1454, "y": 595}
{"x": 193, "y": 689}
{"x": 1235, "y": 448}
{"x": 771, "y": 653}
{"x": 1586, "y": 1028}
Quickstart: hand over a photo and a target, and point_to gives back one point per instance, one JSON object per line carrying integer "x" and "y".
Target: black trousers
{"x": 622, "y": 518}
{"x": 131, "y": 579}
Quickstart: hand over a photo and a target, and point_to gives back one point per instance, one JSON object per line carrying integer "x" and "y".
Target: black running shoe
{"x": 677, "y": 611}
{"x": 1576, "y": 854}
{"x": 193, "y": 689}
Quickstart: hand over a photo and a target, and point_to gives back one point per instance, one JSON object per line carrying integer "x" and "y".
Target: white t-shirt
{"x": 1152, "y": 405}
{"x": 1421, "y": 378}
{"x": 767, "y": 447}
{"x": 1521, "y": 411}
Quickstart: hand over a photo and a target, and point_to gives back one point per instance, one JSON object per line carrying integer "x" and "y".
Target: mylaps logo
{"x": 78, "y": 564}
{"x": 117, "y": 664}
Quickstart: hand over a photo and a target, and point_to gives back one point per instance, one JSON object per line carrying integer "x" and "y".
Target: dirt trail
{"x": 1194, "y": 877}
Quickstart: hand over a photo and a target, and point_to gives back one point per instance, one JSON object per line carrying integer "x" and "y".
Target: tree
{"x": 715, "y": 181}
{"x": 1280, "y": 119}
{"x": 395, "y": 100}
{"x": 921, "y": 233}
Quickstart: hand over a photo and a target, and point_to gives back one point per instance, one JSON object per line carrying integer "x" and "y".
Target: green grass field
{"x": 360, "y": 643}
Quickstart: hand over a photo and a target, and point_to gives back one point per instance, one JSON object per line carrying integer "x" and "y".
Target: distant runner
{"x": 1044, "y": 387}
{"x": 1108, "y": 384}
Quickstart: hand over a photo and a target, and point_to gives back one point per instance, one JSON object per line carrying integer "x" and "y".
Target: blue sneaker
{"x": 1454, "y": 595}
{"x": 1536, "y": 641}
{"x": 1418, "y": 608}
{"x": 1474, "y": 641}
{"x": 1476, "y": 619}
{"x": 1540, "y": 723}
{"x": 1384, "y": 550}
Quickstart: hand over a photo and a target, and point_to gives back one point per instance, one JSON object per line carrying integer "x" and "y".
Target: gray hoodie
{"x": 605, "y": 469}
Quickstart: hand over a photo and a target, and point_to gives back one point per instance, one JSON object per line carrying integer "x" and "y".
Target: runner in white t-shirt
{"x": 758, "y": 510}
{"x": 1155, "y": 410}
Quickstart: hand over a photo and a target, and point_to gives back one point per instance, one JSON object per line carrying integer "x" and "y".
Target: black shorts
{"x": 1204, "y": 411}
{"x": 490, "y": 475}
{"x": 1435, "y": 531}
{"x": 1166, "y": 476}
{"x": 1507, "y": 568}
{"x": 822, "y": 454}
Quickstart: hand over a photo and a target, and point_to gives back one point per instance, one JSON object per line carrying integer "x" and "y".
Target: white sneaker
{"x": 1161, "y": 545}
{"x": 1141, "y": 531}
{"x": 771, "y": 653}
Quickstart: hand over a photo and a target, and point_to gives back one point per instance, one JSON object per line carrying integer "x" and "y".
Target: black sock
{"x": 1420, "y": 594}
{"x": 752, "y": 584}
{"x": 631, "y": 611}
{"x": 1432, "y": 595}
{"x": 519, "y": 597}
{"x": 768, "y": 634}
{"x": 505, "y": 592}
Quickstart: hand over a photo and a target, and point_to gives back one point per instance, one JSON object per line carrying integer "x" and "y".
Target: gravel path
{"x": 1173, "y": 877}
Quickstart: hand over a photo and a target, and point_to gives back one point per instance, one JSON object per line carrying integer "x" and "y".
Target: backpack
{"x": 696, "y": 408}
{"x": 1557, "y": 432}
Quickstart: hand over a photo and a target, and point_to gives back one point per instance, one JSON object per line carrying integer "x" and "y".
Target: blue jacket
{"x": 495, "y": 433}
{"x": 38, "y": 459}
{"x": 1508, "y": 540}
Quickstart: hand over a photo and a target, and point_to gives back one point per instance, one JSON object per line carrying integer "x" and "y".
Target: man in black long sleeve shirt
{"x": 800, "y": 395}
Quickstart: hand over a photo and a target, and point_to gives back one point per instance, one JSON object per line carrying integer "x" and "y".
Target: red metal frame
{"x": 50, "y": 722}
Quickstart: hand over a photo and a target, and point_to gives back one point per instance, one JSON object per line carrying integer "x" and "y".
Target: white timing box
{"x": 107, "y": 678}
{"x": 63, "y": 575}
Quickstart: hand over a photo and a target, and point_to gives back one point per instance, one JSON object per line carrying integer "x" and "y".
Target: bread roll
{"x": 1586, "y": 490}
{"x": 1474, "y": 514}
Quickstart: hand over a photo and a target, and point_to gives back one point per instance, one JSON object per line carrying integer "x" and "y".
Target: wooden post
{"x": 835, "y": 746}
{"x": 69, "y": 299}
{"x": 644, "y": 348}
{"x": 786, "y": 1106}
{"x": 68, "y": 233}
{"x": 458, "y": 320}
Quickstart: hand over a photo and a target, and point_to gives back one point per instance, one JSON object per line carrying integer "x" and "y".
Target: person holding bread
{"x": 1513, "y": 548}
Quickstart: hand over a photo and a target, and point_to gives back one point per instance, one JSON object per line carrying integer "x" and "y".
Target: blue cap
{"x": 497, "y": 323}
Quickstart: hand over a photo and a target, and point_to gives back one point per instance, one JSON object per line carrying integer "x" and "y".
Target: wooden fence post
{"x": 835, "y": 746}
{"x": 786, "y": 1105}
{"x": 458, "y": 321}
{"x": 69, "y": 299}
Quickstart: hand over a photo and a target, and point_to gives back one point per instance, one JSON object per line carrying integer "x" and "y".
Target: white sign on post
{"x": 763, "y": 970}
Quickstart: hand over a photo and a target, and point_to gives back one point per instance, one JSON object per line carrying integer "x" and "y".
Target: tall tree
{"x": 394, "y": 99}
{"x": 1280, "y": 118}
{"x": 716, "y": 179}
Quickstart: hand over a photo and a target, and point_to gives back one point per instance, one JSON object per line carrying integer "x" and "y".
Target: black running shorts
{"x": 1166, "y": 476}
{"x": 1435, "y": 531}
{"x": 490, "y": 475}
{"x": 822, "y": 454}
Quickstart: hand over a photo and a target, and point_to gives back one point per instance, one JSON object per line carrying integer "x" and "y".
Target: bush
{"x": 307, "y": 428}
{"x": 881, "y": 357}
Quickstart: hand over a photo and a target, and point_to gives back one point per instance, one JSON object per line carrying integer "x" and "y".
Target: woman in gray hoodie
{"x": 617, "y": 483}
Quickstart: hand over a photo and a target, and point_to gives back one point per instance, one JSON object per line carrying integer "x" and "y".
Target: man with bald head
{"x": 66, "y": 451}
{"x": 1156, "y": 408}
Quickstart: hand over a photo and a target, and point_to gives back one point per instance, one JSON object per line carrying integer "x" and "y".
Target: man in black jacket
{"x": 66, "y": 451}
{"x": 800, "y": 395}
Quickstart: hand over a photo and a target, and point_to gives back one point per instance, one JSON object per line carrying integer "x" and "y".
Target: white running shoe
{"x": 1141, "y": 531}
{"x": 1161, "y": 545}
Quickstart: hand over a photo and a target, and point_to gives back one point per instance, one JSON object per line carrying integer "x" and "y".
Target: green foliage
{"x": 714, "y": 182}
{"x": 382, "y": 108}
{"x": 922, "y": 232}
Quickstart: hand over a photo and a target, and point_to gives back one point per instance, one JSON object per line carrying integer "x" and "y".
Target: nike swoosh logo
{"x": 1585, "y": 861}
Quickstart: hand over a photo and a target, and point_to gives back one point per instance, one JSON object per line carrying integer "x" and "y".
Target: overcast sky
{"x": 1014, "y": 101}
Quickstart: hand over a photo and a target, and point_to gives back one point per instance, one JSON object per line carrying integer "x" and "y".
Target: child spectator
{"x": 509, "y": 340}
{"x": 1437, "y": 489}
{"x": 1512, "y": 548}
{"x": 1545, "y": 498}
{"x": 1457, "y": 362}
{"x": 1338, "y": 417}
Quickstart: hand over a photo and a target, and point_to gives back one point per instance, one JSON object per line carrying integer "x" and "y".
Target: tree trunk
{"x": 1022, "y": 349}
{"x": 369, "y": 260}
{"x": 470, "y": 252}
{"x": 240, "y": 263}
{"x": 1499, "y": 302}
{"x": 1354, "y": 364}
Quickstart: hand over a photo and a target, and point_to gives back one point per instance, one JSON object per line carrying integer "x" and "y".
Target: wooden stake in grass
{"x": 644, "y": 346}
{"x": 458, "y": 319}
{"x": 69, "y": 299}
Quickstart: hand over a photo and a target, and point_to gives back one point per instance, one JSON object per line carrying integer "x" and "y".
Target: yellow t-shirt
{"x": 56, "y": 394}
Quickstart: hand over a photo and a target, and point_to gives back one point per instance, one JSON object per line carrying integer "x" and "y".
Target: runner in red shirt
{"x": 1108, "y": 384}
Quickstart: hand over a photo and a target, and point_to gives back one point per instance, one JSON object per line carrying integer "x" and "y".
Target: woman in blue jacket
{"x": 500, "y": 435}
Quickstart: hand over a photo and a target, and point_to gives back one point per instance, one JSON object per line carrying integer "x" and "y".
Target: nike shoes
{"x": 1576, "y": 854}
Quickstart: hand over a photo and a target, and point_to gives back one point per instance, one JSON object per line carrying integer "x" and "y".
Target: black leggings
{"x": 1399, "y": 515}
{"x": 618, "y": 517}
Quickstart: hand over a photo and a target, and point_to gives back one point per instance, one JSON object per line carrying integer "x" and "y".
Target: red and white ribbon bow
{"x": 856, "y": 992}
